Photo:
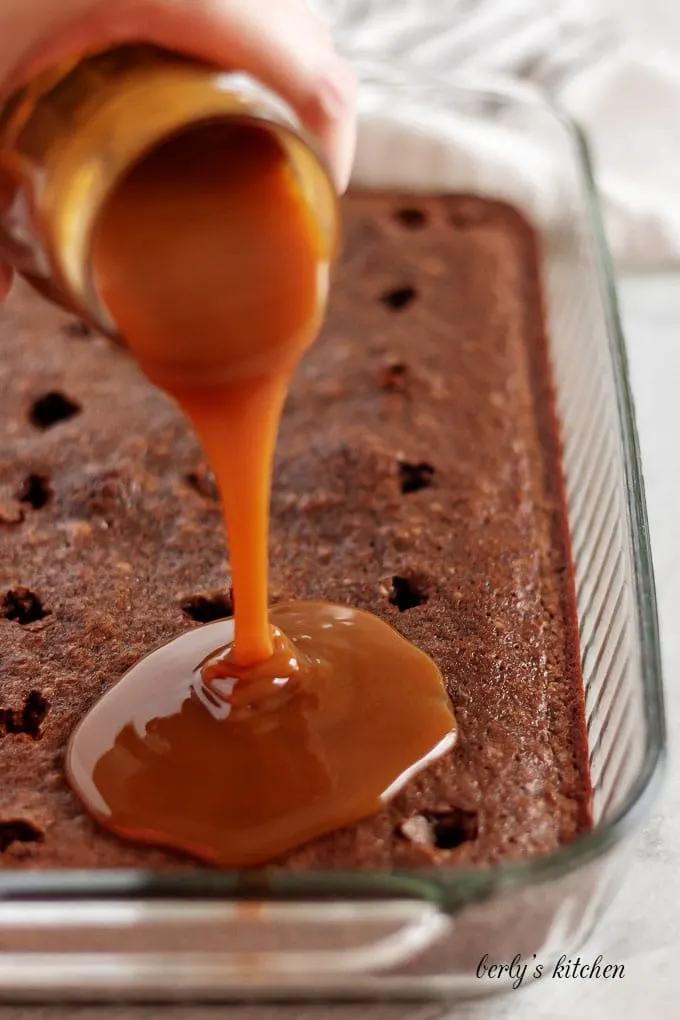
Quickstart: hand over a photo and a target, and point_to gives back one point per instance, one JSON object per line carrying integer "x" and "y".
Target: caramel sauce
{"x": 242, "y": 739}
{"x": 236, "y": 766}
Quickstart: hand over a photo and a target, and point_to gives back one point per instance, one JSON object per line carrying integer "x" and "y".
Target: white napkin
{"x": 625, "y": 94}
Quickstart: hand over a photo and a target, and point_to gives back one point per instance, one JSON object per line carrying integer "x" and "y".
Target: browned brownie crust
{"x": 418, "y": 476}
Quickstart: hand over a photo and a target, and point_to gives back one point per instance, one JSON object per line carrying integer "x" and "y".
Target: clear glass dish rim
{"x": 453, "y": 887}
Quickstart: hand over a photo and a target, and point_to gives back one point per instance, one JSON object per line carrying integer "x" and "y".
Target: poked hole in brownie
{"x": 408, "y": 591}
{"x": 399, "y": 298}
{"x": 207, "y": 608}
{"x": 51, "y": 408}
{"x": 203, "y": 482}
{"x": 35, "y": 491}
{"x": 414, "y": 477}
{"x": 16, "y": 830}
{"x": 443, "y": 829}
{"x": 23, "y": 606}
{"x": 412, "y": 218}
{"x": 28, "y": 720}
{"x": 393, "y": 376}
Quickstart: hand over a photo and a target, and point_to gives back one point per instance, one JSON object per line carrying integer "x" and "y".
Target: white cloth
{"x": 625, "y": 94}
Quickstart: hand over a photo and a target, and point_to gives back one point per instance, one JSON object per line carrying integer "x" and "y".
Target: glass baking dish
{"x": 222, "y": 935}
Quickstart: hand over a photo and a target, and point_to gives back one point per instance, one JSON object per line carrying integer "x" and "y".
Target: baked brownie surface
{"x": 418, "y": 476}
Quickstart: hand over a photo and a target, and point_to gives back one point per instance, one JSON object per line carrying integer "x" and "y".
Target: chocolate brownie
{"x": 418, "y": 475}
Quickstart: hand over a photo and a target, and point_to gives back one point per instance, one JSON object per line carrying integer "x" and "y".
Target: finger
{"x": 277, "y": 41}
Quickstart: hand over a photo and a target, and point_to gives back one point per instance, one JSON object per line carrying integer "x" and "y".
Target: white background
{"x": 652, "y": 19}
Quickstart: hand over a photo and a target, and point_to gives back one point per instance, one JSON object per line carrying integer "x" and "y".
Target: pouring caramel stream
{"x": 239, "y": 741}
{"x": 215, "y": 272}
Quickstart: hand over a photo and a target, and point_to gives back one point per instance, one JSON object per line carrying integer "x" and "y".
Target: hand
{"x": 277, "y": 41}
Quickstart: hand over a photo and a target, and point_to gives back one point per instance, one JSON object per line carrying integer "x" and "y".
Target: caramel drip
{"x": 245, "y": 738}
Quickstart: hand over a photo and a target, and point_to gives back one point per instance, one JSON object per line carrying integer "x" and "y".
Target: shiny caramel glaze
{"x": 237, "y": 765}
{"x": 243, "y": 739}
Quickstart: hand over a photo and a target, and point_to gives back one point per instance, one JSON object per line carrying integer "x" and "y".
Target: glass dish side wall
{"x": 358, "y": 935}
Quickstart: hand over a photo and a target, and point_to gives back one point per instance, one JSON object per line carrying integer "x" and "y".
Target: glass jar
{"x": 69, "y": 136}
